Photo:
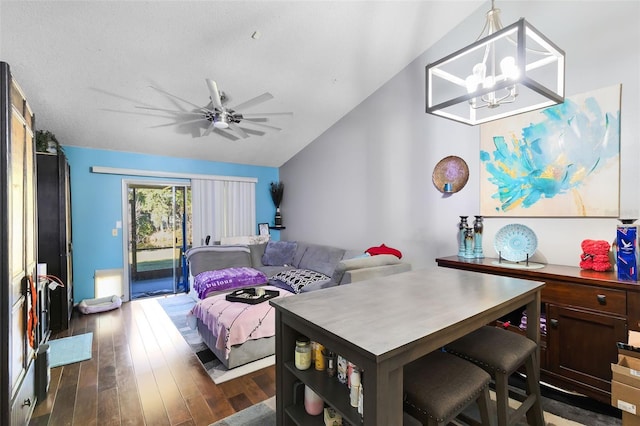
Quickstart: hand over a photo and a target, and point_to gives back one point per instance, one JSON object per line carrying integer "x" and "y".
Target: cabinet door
{"x": 17, "y": 251}
{"x": 581, "y": 345}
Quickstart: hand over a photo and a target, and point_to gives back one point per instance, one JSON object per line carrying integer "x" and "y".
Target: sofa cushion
{"x": 295, "y": 280}
{"x": 363, "y": 262}
{"x": 279, "y": 253}
{"x": 257, "y": 251}
{"x": 209, "y": 258}
{"x": 323, "y": 259}
{"x": 300, "y": 250}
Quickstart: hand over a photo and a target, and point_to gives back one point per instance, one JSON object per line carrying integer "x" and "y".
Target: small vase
{"x": 468, "y": 244}
{"x": 278, "y": 218}
{"x": 462, "y": 231}
{"x": 478, "y": 226}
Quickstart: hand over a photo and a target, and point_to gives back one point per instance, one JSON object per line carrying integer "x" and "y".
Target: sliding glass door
{"x": 159, "y": 234}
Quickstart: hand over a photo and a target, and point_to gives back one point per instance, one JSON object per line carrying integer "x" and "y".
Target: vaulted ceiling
{"x": 87, "y": 66}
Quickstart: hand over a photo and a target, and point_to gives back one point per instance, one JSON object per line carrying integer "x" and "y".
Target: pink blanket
{"x": 234, "y": 322}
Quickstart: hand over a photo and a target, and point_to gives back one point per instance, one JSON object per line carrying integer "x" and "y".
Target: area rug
{"x": 177, "y": 307}
{"x": 264, "y": 414}
{"x": 261, "y": 414}
{"x": 68, "y": 350}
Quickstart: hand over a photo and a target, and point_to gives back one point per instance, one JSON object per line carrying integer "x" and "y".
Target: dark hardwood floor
{"x": 142, "y": 372}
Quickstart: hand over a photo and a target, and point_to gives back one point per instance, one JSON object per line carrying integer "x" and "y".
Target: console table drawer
{"x": 584, "y": 296}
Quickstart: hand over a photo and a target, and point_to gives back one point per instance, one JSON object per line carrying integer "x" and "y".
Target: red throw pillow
{"x": 384, "y": 250}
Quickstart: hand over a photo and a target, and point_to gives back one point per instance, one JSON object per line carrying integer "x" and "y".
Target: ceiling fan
{"x": 218, "y": 117}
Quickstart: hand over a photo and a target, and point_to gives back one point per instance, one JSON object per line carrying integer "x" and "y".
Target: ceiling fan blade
{"x": 171, "y": 111}
{"x": 179, "y": 98}
{"x": 266, "y": 114}
{"x": 262, "y": 124}
{"x": 209, "y": 129}
{"x": 252, "y": 102}
{"x": 225, "y": 134}
{"x": 238, "y": 130}
{"x": 254, "y": 132}
{"x": 146, "y": 114}
{"x": 215, "y": 93}
{"x": 179, "y": 123}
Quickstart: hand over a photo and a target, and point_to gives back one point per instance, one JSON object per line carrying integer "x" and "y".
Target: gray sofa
{"x": 339, "y": 266}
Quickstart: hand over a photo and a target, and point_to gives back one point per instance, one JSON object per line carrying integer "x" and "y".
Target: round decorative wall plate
{"x": 514, "y": 242}
{"x": 450, "y": 170}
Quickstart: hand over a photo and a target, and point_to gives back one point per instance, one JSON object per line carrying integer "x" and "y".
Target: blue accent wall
{"x": 96, "y": 203}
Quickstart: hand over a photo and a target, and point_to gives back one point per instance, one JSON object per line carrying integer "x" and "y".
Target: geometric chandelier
{"x": 507, "y": 71}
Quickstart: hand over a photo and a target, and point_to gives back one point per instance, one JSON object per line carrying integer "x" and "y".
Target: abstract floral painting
{"x": 559, "y": 161}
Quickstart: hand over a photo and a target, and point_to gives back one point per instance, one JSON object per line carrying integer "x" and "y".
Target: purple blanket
{"x": 210, "y": 282}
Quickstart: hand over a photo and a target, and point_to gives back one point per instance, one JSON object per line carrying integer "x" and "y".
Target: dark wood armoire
{"x": 54, "y": 233}
{"x": 19, "y": 335}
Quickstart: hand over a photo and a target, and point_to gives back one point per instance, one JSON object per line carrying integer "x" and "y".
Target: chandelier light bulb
{"x": 472, "y": 83}
{"x": 509, "y": 68}
{"x": 479, "y": 71}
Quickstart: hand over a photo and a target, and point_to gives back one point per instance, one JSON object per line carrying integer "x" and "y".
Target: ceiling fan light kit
{"x": 509, "y": 71}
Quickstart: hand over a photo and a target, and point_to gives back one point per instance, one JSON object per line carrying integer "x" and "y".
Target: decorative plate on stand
{"x": 515, "y": 242}
{"x": 450, "y": 170}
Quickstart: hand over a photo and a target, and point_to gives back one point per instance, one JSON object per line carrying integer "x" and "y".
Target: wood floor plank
{"x": 86, "y": 406}
{"x": 130, "y": 406}
{"x": 150, "y": 398}
{"x": 159, "y": 353}
{"x": 142, "y": 372}
{"x": 63, "y": 408}
{"x": 109, "y": 407}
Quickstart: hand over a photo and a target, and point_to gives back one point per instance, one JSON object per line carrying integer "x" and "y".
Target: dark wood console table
{"x": 587, "y": 313}
{"x": 382, "y": 324}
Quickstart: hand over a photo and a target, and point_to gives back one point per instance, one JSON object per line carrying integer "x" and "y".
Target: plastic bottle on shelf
{"x": 355, "y": 387}
{"x": 313, "y": 404}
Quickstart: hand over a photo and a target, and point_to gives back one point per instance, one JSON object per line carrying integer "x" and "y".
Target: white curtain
{"x": 222, "y": 208}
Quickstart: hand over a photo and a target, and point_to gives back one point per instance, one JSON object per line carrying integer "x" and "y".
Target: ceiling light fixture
{"x": 506, "y": 71}
{"x": 221, "y": 121}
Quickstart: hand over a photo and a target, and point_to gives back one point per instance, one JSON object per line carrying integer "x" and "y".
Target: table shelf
{"x": 329, "y": 389}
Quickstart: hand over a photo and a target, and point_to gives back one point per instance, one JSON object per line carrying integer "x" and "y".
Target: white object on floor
{"x": 102, "y": 304}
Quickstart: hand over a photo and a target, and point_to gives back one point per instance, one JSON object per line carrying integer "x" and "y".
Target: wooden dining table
{"x": 381, "y": 325}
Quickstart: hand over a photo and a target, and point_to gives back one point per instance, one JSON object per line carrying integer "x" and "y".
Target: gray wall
{"x": 368, "y": 179}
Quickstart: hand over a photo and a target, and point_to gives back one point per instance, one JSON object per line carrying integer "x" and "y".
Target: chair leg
{"x": 484, "y": 406}
{"x": 502, "y": 398}
{"x": 535, "y": 415}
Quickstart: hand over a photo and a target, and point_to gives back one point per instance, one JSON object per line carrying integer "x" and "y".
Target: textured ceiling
{"x": 86, "y": 65}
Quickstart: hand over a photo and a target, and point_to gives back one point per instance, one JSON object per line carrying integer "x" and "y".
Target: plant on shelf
{"x": 277, "y": 191}
{"x": 47, "y": 142}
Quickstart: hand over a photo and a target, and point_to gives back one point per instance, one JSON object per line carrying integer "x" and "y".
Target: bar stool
{"x": 439, "y": 386}
{"x": 501, "y": 353}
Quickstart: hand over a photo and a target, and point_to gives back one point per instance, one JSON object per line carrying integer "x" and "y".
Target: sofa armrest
{"x": 347, "y": 269}
{"x": 374, "y": 272}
